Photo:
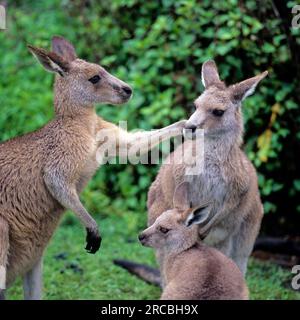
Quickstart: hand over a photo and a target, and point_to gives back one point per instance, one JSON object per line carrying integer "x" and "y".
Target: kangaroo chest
{"x": 89, "y": 168}
{"x": 209, "y": 184}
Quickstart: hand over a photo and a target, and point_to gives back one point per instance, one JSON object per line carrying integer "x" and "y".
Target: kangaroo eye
{"x": 164, "y": 230}
{"x": 218, "y": 112}
{"x": 95, "y": 79}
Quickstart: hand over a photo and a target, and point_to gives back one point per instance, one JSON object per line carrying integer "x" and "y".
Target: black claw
{"x": 93, "y": 240}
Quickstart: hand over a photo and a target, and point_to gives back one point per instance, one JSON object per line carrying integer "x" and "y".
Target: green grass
{"x": 95, "y": 276}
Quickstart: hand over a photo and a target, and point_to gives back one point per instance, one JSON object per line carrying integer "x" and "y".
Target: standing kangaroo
{"x": 191, "y": 270}
{"x": 228, "y": 179}
{"x": 42, "y": 173}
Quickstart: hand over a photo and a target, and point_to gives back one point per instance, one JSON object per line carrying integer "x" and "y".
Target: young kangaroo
{"x": 191, "y": 270}
{"x": 228, "y": 179}
{"x": 42, "y": 173}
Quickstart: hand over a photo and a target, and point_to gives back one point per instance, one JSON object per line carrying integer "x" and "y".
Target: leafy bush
{"x": 158, "y": 47}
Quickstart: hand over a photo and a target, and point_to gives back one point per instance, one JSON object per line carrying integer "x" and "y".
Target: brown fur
{"x": 208, "y": 275}
{"x": 42, "y": 173}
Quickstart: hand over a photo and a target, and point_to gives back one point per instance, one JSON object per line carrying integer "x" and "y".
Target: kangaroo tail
{"x": 146, "y": 273}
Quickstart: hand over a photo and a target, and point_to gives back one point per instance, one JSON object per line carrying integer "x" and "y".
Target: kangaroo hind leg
{"x": 32, "y": 282}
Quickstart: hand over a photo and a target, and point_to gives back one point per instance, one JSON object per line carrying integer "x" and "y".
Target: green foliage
{"x": 158, "y": 47}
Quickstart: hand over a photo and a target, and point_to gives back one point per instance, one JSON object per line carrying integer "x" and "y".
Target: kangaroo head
{"x": 218, "y": 108}
{"x": 78, "y": 82}
{"x": 176, "y": 229}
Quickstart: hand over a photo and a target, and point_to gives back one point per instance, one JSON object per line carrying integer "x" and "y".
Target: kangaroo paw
{"x": 93, "y": 241}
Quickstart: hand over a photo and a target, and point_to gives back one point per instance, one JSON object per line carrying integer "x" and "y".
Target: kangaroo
{"x": 191, "y": 270}
{"x": 42, "y": 173}
{"x": 228, "y": 179}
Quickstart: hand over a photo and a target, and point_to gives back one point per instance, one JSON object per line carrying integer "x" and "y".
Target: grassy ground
{"x": 70, "y": 273}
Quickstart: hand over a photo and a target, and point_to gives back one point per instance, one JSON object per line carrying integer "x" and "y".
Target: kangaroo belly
{"x": 207, "y": 180}
{"x": 28, "y": 240}
{"x": 209, "y": 184}
{"x": 216, "y": 236}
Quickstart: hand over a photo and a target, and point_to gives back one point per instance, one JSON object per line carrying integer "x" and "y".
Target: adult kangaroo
{"x": 227, "y": 181}
{"x": 42, "y": 173}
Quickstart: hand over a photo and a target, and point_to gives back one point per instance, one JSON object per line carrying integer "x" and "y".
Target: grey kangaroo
{"x": 228, "y": 179}
{"x": 191, "y": 270}
{"x": 42, "y": 173}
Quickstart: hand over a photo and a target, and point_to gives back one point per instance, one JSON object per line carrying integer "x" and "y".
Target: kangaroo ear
{"x": 199, "y": 215}
{"x": 181, "y": 196}
{"x": 63, "y": 48}
{"x": 210, "y": 74}
{"x": 243, "y": 89}
{"x": 50, "y": 60}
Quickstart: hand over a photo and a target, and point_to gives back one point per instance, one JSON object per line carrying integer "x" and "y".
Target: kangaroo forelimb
{"x": 66, "y": 194}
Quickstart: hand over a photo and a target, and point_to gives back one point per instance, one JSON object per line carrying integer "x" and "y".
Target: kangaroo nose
{"x": 127, "y": 90}
{"x": 191, "y": 127}
{"x": 141, "y": 237}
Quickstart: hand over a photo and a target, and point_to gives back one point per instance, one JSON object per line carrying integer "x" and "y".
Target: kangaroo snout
{"x": 124, "y": 92}
{"x": 191, "y": 127}
{"x": 194, "y": 125}
{"x": 127, "y": 90}
{"x": 190, "y": 131}
{"x": 142, "y": 238}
